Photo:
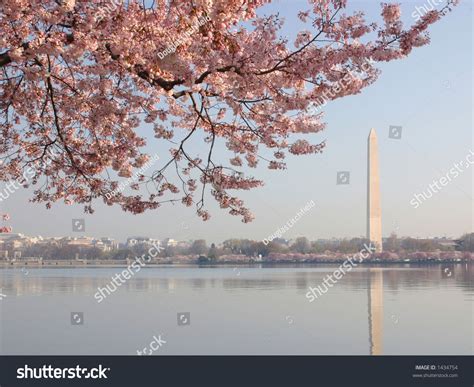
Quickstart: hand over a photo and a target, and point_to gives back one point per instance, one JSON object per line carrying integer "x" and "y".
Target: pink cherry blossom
{"x": 5, "y": 229}
{"x": 85, "y": 97}
{"x": 391, "y": 12}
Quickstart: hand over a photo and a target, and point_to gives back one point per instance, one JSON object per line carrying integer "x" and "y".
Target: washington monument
{"x": 374, "y": 212}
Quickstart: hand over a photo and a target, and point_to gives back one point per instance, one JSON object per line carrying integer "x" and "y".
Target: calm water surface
{"x": 401, "y": 309}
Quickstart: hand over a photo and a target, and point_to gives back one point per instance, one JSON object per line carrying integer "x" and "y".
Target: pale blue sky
{"x": 429, "y": 94}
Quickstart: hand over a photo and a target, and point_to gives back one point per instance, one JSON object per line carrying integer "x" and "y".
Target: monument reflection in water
{"x": 375, "y": 307}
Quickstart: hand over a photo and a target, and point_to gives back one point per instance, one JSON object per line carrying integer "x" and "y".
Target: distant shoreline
{"x": 124, "y": 263}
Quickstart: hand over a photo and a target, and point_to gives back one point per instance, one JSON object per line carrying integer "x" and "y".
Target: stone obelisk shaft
{"x": 374, "y": 212}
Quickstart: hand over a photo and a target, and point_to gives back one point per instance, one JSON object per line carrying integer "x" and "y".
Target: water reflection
{"x": 375, "y": 309}
{"x": 87, "y": 280}
{"x": 248, "y": 312}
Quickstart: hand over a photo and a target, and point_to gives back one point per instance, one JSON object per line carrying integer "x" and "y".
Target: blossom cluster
{"x": 171, "y": 48}
{"x": 342, "y": 86}
{"x": 132, "y": 180}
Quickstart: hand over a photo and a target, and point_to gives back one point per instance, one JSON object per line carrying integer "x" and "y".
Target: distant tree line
{"x": 251, "y": 248}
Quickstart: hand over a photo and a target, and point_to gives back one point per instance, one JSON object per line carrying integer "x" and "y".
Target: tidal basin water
{"x": 404, "y": 309}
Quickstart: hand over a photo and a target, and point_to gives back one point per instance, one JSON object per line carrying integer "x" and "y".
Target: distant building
{"x": 168, "y": 242}
{"x": 141, "y": 241}
{"x": 12, "y": 245}
{"x": 109, "y": 244}
{"x": 53, "y": 241}
{"x": 83, "y": 242}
